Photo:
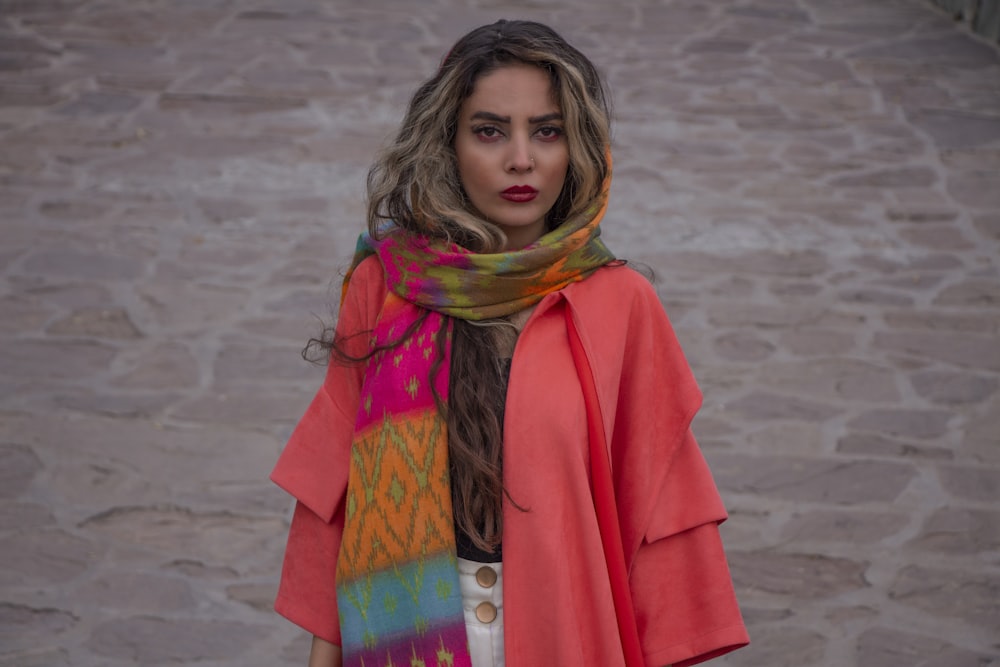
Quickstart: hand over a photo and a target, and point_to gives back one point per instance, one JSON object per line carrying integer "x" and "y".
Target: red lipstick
{"x": 519, "y": 193}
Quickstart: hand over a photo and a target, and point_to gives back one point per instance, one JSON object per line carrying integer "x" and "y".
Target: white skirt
{"x": 482, "y": 600}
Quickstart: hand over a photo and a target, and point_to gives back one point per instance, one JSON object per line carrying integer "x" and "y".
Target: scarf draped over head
{"x": 397, "y": 583}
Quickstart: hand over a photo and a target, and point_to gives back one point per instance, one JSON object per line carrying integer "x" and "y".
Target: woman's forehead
{"x": 515, "y": 89}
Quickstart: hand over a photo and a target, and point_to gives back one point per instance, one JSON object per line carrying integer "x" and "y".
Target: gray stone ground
{"x": 816, "y": 184}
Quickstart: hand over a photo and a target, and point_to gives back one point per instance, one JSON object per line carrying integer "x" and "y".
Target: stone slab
{"x": 813, "y": 185}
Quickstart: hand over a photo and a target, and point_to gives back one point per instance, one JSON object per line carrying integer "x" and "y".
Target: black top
{"x": 463, "y": 543}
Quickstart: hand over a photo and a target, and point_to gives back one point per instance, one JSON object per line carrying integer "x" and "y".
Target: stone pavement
{"x": 816, "y": 184}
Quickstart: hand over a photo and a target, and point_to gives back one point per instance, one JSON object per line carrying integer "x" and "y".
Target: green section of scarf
{"x": 453, "y": 281}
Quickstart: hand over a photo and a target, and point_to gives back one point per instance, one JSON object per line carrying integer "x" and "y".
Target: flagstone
{"x": 817, "y": 479}
{"x": 150, "y": 639}
{"x": 954, "y": 388}
{"x": 960, "y": 531}
{"x": 972, "y": 596}
{"x": 182, "y": 189}
{"x": 883, "y": 647}
{"x": 809, "y": 576}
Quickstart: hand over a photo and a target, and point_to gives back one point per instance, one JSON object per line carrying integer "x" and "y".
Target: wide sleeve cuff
{"x": 712, "y": 645}
{"x": 685, "y": 606}
{"x": 307, "y": 594}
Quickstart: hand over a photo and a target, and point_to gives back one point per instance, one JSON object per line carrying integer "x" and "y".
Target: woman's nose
{"x": 519, "y": 158}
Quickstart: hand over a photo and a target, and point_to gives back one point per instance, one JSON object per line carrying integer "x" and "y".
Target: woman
{"x": 445, "y": 514}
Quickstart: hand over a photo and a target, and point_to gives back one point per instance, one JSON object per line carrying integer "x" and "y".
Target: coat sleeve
{"x": 670, "y": 508}
{"x": 313, "y": 467}
{"x": 685, "y": 606}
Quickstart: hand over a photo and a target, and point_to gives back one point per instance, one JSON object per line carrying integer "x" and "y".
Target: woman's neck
{"x": 522, "y": 237}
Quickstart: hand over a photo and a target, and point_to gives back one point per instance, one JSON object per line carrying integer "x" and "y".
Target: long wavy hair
{"x": 415, "y": 184}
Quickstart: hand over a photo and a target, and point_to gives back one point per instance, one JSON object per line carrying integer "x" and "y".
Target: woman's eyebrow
{"x": 496, "y": 118}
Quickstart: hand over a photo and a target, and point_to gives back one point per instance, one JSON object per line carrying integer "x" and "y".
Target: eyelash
{"x": 556, "y": 132}
{"x": 480, "y": 131}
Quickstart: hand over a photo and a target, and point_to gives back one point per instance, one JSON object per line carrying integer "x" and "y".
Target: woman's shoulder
{"x": 618, "y": 298}
{"x": 625, "y": 274}
{"x": 366, "y": 279}
{"x": 367, "y": 271}
{"x": 363, "y": 293}
{"x": 617, "y": 285}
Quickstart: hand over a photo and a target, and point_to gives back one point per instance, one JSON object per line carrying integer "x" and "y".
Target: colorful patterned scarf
{"x": 397, "y": 583}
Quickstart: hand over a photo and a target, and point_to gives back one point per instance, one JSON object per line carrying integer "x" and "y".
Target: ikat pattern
{"x": 397, "y": 583}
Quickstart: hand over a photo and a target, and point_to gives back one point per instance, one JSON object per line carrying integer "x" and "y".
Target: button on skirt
{"x": 482, "y": 600}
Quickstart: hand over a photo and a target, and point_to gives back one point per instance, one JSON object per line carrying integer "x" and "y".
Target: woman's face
{"x": 512, "y": 152}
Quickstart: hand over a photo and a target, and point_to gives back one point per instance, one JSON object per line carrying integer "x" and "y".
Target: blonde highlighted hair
{"x": 415, "y": 182}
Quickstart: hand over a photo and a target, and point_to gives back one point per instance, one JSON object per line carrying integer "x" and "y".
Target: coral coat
{"x": 558, "y": 608}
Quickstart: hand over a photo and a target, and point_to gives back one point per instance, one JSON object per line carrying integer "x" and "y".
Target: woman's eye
{"x": 550, "y": 132}
{"x": 486, "y": 132}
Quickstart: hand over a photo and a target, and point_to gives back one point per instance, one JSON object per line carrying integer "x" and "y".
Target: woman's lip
{"x": 519, "y": 197}
{"x": 519, "y": 193}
